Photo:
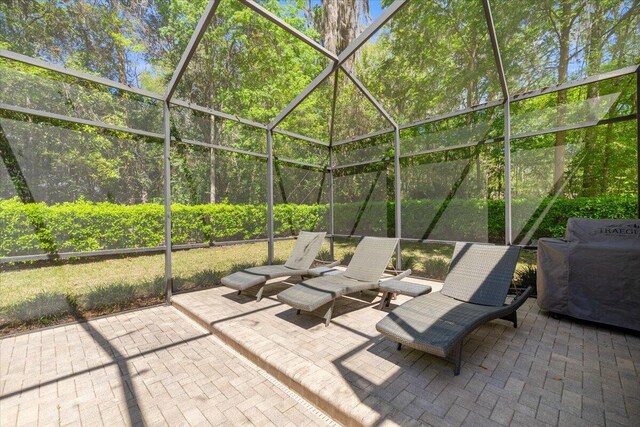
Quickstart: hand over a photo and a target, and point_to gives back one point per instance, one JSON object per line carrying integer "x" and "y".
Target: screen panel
{"x": 141, "y": 48}
{"x": 312, "y": 117}
{"x": 454, "y": 195}
{"x": 430, "y": 58}
{"x": 547, "y": 43}
{"x": 226, "y": 190}
{"x": 37, "y": 89}
{"x": 448, "y": 133}
{"x": 71, "y": 195}
{"x": 248, "y": 66}
{"x": 286, "y": 147}
{"x": 369, "y": 149}
{"x": 363, "y": 197}
{"x": 74, "y": 176}
{"x": 301, "y": 199}
{"x": 202, "y": 127}
{"x": 355, "y": 114}
{"x": 579, "y": 106}
{"x": 588, "y": 173}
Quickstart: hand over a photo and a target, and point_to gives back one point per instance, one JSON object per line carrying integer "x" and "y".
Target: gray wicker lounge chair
{"x": 473, "y": 293}
{"x": 363, "y": 273}
{"x": 298, "y": 264}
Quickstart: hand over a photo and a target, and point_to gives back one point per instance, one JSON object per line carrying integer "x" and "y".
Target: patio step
{"x": 238, "y": 323}
{"x": 270, "y": 364}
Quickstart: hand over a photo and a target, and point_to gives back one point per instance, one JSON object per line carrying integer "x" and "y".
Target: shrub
{"x": 42, "y": 307}
{"x": 526, "y": 276}
{"x": 276, "y": 261}
{"x": 324, "y": 255}
{"x": 116, "y": 295}
{"x": 201, "y": 279}
{"x": 436, "y": 268}
{"x": 346, "y": 257}
{"x": 153, "y": 288}
{"x": 36, "y": 228}
{"x": 406, "y": 262}
{"x": 239, "y": 266}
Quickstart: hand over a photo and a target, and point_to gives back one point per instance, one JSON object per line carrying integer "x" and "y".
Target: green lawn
{"x": 95, "y": 287}
{"x": 77, "y": 278}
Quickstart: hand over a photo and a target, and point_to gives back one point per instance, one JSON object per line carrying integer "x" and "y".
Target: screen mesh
{"x": 363, "y": 198}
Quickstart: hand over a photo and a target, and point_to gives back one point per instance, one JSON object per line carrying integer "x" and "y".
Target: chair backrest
{"x": 371, "y": 258}
{"x": 305, "y": 251}
{"x": 481, "y": 274}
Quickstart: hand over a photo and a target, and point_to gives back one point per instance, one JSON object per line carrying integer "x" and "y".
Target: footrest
{"x": 323, "y": 271}
{"x": 390, "y": 287}
{"x": 405, "y": 288}
{"x": 242, "y": 280}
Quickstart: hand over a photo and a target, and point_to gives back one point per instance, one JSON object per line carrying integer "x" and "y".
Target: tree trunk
{"x": 340, "y": 23}
{"x": 120, "y": 54}
{"x": 604, "y": 182}
{"x": 563, "y": 72}
{"x": 329, "y": 28}
{"x": 594, "y": 60}
{"x": 472, "y": 96}
{"x": 214, "y": 138}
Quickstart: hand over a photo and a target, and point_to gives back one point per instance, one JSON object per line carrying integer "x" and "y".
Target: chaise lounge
{"x": 363, "y": 273}
{"x": 473, "y": 293}
{"x": 299, "y": 263}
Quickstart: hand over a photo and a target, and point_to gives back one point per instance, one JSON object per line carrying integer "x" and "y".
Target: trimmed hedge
{"x": 478, "y": 220}
{"x": 36, "y": 228}
{"x": 86, "y": 226}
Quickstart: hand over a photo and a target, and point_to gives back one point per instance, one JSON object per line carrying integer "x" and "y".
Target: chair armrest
{"x": 520, "y": 299}
{"x": 400, "y": 276}
{"x": 333, "y": 264}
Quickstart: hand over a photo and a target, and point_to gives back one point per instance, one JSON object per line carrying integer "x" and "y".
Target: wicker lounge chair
{"x": 363, "y": 273}
{"x": 473, "y": 293}
{"x": 298, "y": 264}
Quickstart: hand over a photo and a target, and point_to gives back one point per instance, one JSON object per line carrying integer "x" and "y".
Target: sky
{"x": 375, "y": 7}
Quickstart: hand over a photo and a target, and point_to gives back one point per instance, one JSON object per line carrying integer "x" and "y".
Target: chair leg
{"x": 298, "y": 311}
{"x": 399, "y": 346}
{"x": 239, "y": 292}
{"x": 383, "y": 301}
{"x": 259, "y": 294}
{"x": 512, "y": 317}
{"x": 456, "y": 358}
{"x": 329, "y": 313}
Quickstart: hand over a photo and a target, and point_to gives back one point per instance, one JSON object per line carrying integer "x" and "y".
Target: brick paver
{"x": 546, "y": 372}
{"x": 155, "y": 367}
{"x": 151, "y": 367}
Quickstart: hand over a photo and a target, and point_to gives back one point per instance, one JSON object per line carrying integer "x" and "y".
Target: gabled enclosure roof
{"x": 479, "y": 63}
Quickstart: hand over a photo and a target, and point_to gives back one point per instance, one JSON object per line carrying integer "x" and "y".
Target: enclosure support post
{"x": 638, "y": 131}
{"x": 331, "y": 225}
{"x": 397, "y": 196}
{"x": 507, "y": 172}
{"x": 167, "y": 204}
{"x": 331, "y": 128}
{"x": 486, "y": 5}
{"x": 270, "y": 195}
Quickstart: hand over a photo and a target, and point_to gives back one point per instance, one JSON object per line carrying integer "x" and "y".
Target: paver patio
{"x": 148, "y": 367}
{"x": 546, "y": 372}
{"x": 156, "y": 367}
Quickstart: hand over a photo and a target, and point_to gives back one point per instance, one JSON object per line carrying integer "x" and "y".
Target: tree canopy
{"x": 430, "y": 58}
